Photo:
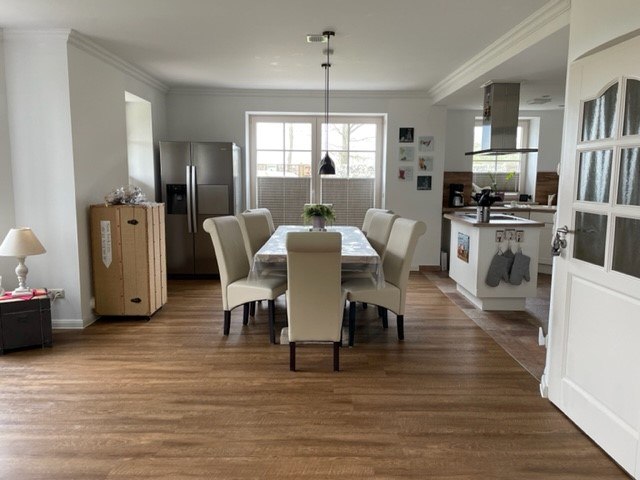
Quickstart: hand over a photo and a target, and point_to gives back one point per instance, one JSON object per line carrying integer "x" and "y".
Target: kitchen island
{"x": 473, "y": 247}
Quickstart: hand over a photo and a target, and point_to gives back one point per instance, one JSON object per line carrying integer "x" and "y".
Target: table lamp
{"x": 21, "y": 243}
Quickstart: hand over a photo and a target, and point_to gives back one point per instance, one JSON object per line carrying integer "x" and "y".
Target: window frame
{"x": 525, "y": 124}
{"x": 317, "y": 121}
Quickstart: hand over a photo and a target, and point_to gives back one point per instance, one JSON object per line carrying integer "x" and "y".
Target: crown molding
{"x": 238, "y": 92}
{"x": 89, "y": 46}
{"x": 553, "y": 16}
{"x": 33, "y": 33}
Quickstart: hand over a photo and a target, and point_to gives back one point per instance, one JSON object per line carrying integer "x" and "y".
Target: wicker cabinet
{"x": 128, "y": 258}
{"x": 25, "y": 323}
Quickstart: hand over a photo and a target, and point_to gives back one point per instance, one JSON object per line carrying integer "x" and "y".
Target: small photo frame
{"x": 406, "y": 135}
{"x": 405, "y": 173}
{"x": 406, "y": 154}
{"x": 463, "y": 247}
{"x": 424, "y": 182}
{"x": 425, "y": 144}
{"x": 425, "y": 164}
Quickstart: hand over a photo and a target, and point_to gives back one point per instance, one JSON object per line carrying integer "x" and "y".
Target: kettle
{"x": 457, "y": 199}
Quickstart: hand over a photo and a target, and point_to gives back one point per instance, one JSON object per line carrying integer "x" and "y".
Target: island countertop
{"x": 496, "y": 220}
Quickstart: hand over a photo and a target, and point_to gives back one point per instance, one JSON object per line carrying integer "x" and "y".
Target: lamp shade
{"x": 327, "y": 167}
{"x": 21, "y": 242}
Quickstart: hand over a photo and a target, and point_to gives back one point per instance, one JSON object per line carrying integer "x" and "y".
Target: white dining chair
{"x": 255, "y": 231}
{"x": 315, "y": 299}
{"x": 397, "y": 263}
{"x": 233, "y": 265}
{"x": 369, "y": 215}
{"x": 379, "y": 231}
{"x": 267, "y": 213}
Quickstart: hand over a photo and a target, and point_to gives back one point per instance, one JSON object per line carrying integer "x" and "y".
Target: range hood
{"x": 500, "y": 120}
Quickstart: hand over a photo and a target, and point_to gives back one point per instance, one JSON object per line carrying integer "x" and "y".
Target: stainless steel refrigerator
{"x": 198, "y": 180}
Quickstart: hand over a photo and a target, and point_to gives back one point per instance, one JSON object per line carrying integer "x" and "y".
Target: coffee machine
{"x": 456, "y": 195}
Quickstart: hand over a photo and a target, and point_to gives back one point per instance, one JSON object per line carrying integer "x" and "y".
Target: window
{"x": 285, "y": 152}
{"x": 501, "y": 173}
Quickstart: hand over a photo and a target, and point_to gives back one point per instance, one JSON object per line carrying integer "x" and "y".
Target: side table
{"x": 25, "y": 323}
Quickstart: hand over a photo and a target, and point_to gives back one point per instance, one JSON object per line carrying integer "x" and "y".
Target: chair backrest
{"x": 369, "y": 215}
{"x": 400, "y": 249}
{"x": 230, "y": 251}
{"x": 255, "y": 231}
{"x": 314, "y": 294}
{"x": 379, "y": 231}
{"x": 266, "y": 212}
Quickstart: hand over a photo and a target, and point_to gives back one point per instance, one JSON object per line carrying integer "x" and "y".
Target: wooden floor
{"x": 173, "y": 398}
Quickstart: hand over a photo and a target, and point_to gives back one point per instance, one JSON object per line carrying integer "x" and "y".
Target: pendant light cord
{"x": 327, "y": 66}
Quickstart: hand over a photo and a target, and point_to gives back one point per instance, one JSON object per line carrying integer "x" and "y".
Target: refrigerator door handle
{"x": 194, "y": 200}
{"x": 189, "y": 199}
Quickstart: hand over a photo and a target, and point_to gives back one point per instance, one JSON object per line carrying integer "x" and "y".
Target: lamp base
{"x": 21, "y": 291}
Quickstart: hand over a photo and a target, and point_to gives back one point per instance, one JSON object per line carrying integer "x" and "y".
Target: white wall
{"x": 66, "y": 117}
{"x": 459, "y": 137}
{"x": 39, "y": 120}
{"x": 220, "y": 116}
{"x": 140, "y": 144}
{"x": 7, "y": 217}
{"x": 595, "y": 23}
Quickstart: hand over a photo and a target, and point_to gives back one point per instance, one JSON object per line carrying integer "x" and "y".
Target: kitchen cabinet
{"x": 545, "y": 259}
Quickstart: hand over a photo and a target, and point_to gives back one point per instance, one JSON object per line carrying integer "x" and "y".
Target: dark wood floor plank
{"x": 172, "y": 398}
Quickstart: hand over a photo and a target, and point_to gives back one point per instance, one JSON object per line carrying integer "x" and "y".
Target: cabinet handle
{"x": 136, "y": 300}
{"x": 132, "y": 222}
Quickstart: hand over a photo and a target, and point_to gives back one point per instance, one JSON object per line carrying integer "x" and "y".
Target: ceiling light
{"x": 316, "y": 38}
{"x": 327, "y": 167}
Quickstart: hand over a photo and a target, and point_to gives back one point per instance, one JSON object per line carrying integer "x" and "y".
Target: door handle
{"x": 194, "y": 199}
{"x": 189, "y": 197}
{"x": 559, "y": 242}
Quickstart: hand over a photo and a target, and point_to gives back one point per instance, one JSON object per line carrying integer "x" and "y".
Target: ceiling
{"x": 404, "y": 45}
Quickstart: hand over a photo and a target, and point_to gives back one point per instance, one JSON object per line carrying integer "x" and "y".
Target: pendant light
{"x": 327, "y": 167}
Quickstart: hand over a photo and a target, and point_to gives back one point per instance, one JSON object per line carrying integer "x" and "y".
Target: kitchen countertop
{"x": 504, "y": 208}
{"x": 493, "y": 222}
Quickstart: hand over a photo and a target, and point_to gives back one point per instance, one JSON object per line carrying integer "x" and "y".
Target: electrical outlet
{"x": 56, "y": 292}
{"x": 499, "y": 236}
{"x": 510, "y": 234}
{"x": 519, "y": 236}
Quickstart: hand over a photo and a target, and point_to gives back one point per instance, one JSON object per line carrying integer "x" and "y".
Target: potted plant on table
{"x": 318, "y": 214}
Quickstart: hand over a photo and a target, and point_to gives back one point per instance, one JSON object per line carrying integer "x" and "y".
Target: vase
{"x": 318, "y": 222}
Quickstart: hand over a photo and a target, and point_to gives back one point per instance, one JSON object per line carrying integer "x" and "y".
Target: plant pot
{"x": 318, "y": 222}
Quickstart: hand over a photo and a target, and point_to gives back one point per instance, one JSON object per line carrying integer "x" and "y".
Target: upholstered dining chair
{"x": 369, "y": 215}
{"x": 267, "y": 213}
{"x": 379, "y": 231}
{"x": 233, "y": 265}
{"x": 255, "y": 231}
{"x": 397, "y": 263}
{"x": 315, "y": 300}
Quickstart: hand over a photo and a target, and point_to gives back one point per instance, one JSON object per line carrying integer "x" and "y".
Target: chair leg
{"x": 245, "y": 314}
{"x": 272, "y": 321}
{"x": 385, "y": 317}
{"x": 400, "y": 322}
{"x": 352, "y": 322}
{"x": 364, "y": 305}
{"x": 227, "y": 322}
{"x": 292, "y": 356}
{"x": 252, "y": 309}
{"x": 336, "y": 356}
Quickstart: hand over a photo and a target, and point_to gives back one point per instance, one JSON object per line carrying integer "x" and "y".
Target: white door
{"x": 593, "y": 361}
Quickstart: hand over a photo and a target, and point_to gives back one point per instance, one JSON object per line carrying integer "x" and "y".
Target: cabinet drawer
{"x": 21, "y": 329}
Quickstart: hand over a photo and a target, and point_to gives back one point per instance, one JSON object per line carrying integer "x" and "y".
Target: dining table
{"x": 357, "y": 253}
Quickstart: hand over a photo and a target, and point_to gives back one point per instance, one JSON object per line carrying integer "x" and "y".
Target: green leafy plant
{"x": 317, "y": 210}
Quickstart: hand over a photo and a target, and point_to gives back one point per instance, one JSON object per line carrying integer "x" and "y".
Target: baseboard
{"x": 72, "y": 323}
{"x": 429, "y": 268}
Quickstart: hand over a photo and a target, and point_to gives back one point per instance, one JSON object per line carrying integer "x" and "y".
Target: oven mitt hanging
{"x": 520, "y": 269}
{"x": 510, "y": 256}
{"x": 498, "y": 268}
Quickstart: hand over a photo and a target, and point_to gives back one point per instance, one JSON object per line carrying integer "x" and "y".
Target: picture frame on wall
{"x": 425, "y": 144}
{"x": 424, "y": 182}
{"x": 406, "y": 135}
{"x": 405, "y": 173}
{"x": 425, "y": 164}
{"x": 406, "y": 154}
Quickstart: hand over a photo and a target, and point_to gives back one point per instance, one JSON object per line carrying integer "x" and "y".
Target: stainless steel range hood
{"x": 500, "y": 120}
